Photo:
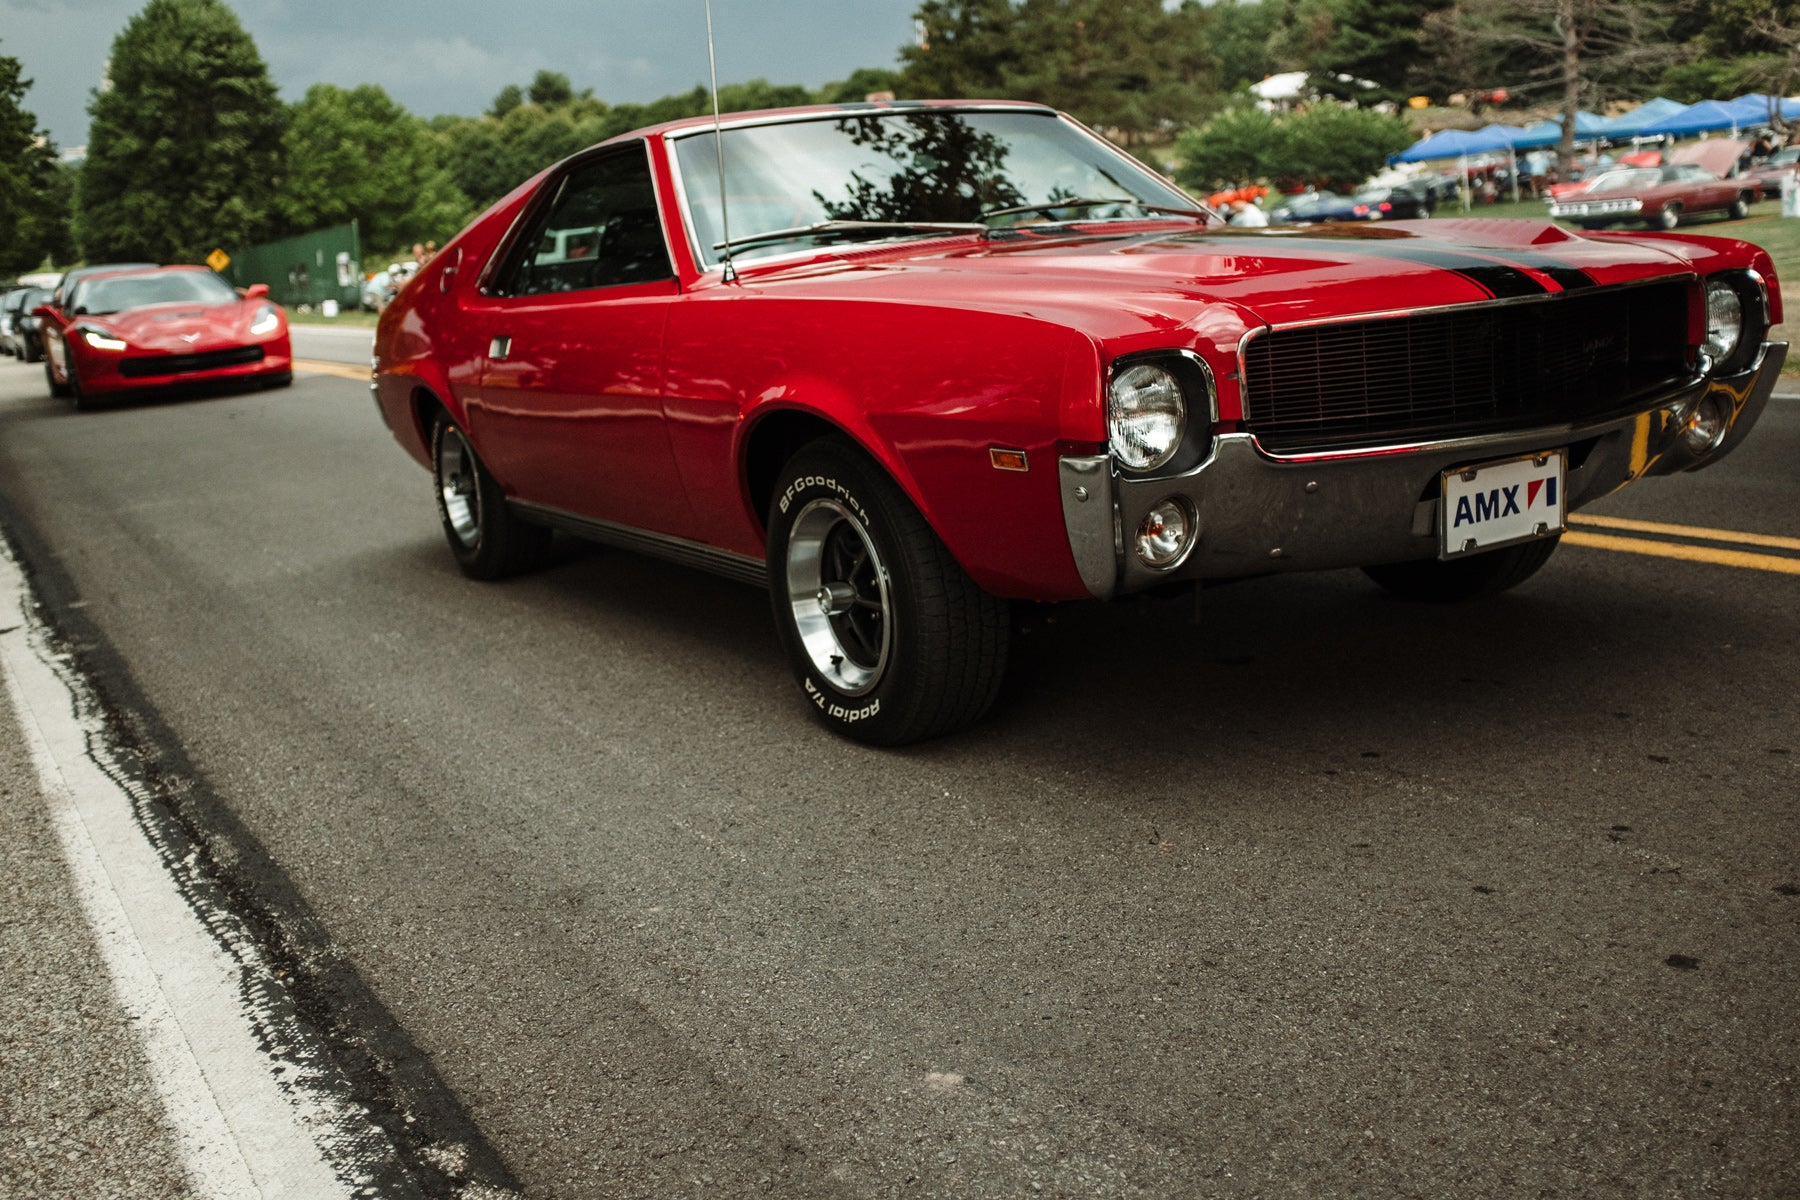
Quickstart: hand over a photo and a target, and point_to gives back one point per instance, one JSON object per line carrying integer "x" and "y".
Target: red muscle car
{"x": 1661, "y": 197}
{"x": 904, "y": 363}
{"x": 120, "y": 331}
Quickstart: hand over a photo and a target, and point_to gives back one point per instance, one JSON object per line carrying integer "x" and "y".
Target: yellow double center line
{"x": 1720, "y": 555}
{"x": 313, "y": 366}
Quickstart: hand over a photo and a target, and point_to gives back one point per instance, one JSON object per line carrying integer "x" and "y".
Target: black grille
{"x": 1462, "y": 372}
{"x": 146, "y": 367}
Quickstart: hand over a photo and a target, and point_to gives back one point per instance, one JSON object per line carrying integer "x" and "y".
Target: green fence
{"x": 310, "y": 269}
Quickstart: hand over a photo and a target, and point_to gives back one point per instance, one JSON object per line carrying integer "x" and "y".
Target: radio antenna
{"x": 728, "y": 272}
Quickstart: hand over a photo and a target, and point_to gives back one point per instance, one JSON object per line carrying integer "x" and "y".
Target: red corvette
{"x": 128, "y": 330}
{"x": 929, "y": 358}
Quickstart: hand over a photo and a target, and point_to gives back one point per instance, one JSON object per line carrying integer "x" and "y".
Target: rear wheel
{"x": 1669, "y": 217}
{"x": 1740, "y": 207}
{"x": 486, "y": 539}
{"x": 1458, "y": 579}
{"x": 889, "y": 640}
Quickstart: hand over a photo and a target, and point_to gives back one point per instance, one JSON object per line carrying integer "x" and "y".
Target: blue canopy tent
{"x": 1461, "y": 144}
{"x": 1588, "y": 126}
{"x": 1756, "y": 108}
{"x": 1708, "y": 116}
{"x": 1633, "y": 123}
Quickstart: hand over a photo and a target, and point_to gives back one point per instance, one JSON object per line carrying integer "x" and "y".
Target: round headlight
{"x": 1724, "y": 320}
{"x": 1146, "y": 415}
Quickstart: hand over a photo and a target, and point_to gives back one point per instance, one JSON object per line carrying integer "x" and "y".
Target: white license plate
{"x": 1499, "y": 503}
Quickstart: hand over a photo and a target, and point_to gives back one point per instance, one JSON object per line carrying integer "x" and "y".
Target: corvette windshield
{"x": 799, "y": 183}
{"x": 117, "y": 293}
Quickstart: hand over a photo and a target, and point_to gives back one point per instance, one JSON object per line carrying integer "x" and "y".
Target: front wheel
{"x": 890, "y": 641}
{"x": 1740, "y": 207}
{"x": 1468, "y": 578}
{"x": 59, "y": 391}
{"x": 487, "y": 540}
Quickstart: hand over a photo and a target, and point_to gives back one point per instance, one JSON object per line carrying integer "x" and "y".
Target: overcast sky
{"x": 451, "y": 56}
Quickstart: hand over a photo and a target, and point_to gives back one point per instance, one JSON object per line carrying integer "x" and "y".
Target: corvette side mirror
{"x": 256, "y": 291}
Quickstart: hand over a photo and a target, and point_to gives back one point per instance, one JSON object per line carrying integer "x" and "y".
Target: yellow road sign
{"x": 218, "y": 260}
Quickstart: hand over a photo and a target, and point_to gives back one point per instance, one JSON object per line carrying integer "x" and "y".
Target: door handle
{"x": 500, "y": 347}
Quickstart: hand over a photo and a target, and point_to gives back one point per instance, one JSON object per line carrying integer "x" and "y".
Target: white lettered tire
{"x": 890, "y": 640}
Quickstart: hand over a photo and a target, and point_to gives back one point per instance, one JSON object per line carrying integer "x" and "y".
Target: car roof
{"x": 763, "y": 116}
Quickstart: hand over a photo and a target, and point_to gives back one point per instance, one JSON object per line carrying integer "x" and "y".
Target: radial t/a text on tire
{"x": 890, "y": 640}
{"x": 486, "y": 538}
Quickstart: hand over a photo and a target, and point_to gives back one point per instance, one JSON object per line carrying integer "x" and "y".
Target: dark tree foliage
{"x": 1239, "y": 32}
{"x": 942, "y": 170}
{"x": 184, "y": 152}
{"x": 506, "y": 99}
{"x": 549, "y": 89}
{"x": 34, "y": 191}
{"x": 965, "y": 50}
{"x": 863, "y": 83}
{"x": 1128, "y": 65}
{"x": 356, "y": 154}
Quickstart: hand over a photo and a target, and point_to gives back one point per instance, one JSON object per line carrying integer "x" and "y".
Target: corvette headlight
{"x": 102, "y": 341}
{"x": 1146, "y": 416}
{"x": 1724, "y": 320}
{"x": 268, "y": 320}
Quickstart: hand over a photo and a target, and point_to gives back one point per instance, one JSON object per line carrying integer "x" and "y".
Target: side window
{"x": 600, "y": 229}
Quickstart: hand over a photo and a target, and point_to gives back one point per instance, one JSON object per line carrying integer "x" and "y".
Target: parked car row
{"x": 19, "y": 322}
{"x": 1400, "y": 201}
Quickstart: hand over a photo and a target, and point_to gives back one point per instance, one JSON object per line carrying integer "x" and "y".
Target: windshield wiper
{"x": 826, "y": 228}
{"x": 1048, "y": 206}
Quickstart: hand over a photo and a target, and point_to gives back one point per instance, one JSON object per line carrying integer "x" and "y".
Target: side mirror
{"x": 256, "y": 291}
{"x": 45, "y": 313}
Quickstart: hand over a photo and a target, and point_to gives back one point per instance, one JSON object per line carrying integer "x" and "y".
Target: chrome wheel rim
{"x": 456, "y": 487}
{"x": 838, "y": 590}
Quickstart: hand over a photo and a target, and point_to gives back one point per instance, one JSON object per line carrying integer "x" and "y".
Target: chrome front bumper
{"x": 1259, "y": 514}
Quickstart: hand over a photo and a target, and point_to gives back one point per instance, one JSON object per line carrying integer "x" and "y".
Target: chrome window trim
{"x": 484, "y": 284}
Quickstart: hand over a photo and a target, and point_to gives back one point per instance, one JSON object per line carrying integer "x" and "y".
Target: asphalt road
{"x": 1322, "y": 894}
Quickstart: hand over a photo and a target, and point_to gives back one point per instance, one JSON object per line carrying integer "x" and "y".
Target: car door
{"x": 569, "y": 411}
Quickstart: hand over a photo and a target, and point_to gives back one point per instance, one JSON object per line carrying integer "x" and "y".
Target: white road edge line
{"x": 251, "y": 1118}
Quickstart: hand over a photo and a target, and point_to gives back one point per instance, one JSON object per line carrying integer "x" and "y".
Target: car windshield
{"x": 117, "y": 293}
{"x": 900, "y": 172}
{"x": 29, "y": 299}
{"x": 1624, "y": 181}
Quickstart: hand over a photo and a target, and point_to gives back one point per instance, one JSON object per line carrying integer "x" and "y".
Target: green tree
{"x": 184, "y": 151}
{"x": 863, "y": 82}
{"x": 357, "y": 154}
{"x": 1128, "y": 65}
{"x": 34, "y": 197}
{"x": 549, "y": 89}
{"x": 1239, "y": 32}
{"x": 1578, "y": 51}
{"x": 507, "y": 99}
{"x": 1325, "y": 145}
{"x": 964, "y": 50}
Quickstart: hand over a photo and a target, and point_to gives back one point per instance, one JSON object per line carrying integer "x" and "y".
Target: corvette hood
{"x": 1120, "y": 284}
{"x": 178, "y": 328}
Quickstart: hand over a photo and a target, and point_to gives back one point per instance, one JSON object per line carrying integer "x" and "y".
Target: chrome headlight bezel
{"x": 1748, "y": 293}
{"x": 1160, "y": 409}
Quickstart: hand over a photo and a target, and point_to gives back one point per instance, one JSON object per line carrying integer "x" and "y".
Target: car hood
{"x": 1115, "y": 285}
{"x": 178, "y": 328}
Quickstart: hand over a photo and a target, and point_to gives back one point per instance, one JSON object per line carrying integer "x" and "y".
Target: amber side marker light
{"x": 1007, "y": 460}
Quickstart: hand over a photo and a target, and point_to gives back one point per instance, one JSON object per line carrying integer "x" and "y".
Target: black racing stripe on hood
{"x": 1501, "y": 281}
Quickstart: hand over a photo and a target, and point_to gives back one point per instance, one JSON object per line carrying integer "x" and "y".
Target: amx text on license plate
{"x": 1500, "y": 502}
